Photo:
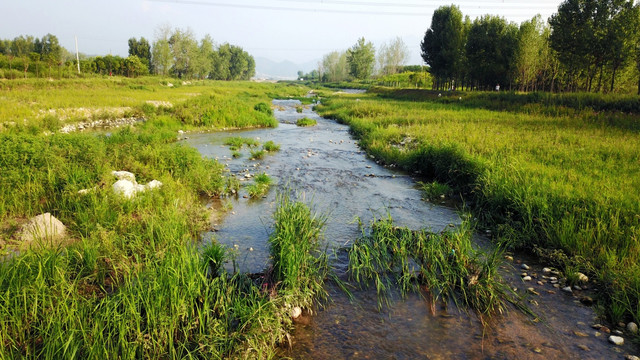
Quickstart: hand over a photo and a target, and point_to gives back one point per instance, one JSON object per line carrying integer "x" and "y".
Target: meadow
{"x": 554, "y": 174}
{"x": 132, "y": 279}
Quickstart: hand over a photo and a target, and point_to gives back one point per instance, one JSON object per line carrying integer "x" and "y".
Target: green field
{"x": 544, "y": 172}
{"x": 132, "y": 280}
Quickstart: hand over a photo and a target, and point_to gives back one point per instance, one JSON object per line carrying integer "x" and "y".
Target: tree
{"x": 21, "y": 47}
{"x": 141, "y": 49}
{"x": 490, "y": 49}
{"x": 133, "y": 66}
{"x": 161, "y": 58}
{"x": 622, "y": 37}
{"x": 360, "y": 58}
{"x": 443, "y": 45}
{"x": 392, "y": 56}
{"x": 202, "y": 63}
{"x": 529, "y": 52}
{"x": 50, "y": 50}
{"x": 184, "y": 48}
{"x": 333, "y": 67}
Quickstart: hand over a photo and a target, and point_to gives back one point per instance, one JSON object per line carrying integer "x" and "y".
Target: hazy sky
{"x": 296, "y": 30}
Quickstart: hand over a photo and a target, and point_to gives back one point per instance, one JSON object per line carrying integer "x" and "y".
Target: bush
{"x": 306, "y": 122}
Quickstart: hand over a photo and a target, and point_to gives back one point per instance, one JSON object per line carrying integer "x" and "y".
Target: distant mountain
{"x": 283, "y": 70}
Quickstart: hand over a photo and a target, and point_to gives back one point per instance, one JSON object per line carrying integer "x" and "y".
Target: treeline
{"x": 587, "y": 45}
{"x": 174, "y": 52}
{"x": 361, "y": 62}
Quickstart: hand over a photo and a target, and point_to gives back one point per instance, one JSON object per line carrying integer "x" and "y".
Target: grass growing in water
{"x": 299, "y": 265}
{"x": 445, "y": 265}
{"x": 306, "y": 122}
{"x": 434, "y": 190}
{"x": 238, "y": 142}
{"x": 260, "y": 186}
{"x": 270, "y": 146}
{"x": 257, "y": 154}
{"x": 557, "y": 175}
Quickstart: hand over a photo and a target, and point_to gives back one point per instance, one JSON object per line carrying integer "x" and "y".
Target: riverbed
{"x": 325, "y": 167}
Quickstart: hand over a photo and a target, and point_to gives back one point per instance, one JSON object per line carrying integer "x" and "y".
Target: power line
{"x": 338, "y": 11}
{"x": 281, "y": 8}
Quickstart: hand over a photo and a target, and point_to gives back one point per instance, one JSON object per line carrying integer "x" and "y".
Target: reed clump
{"x": 299, "y": 264}
{"x": 445, "y": 265}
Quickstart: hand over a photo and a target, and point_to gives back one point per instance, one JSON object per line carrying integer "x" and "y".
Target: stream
{"x": 324, "y": 164}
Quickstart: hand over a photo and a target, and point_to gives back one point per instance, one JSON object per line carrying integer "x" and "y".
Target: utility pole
{"x": 77, "y": 55}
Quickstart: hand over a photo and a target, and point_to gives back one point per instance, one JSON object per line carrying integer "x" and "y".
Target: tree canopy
{"x": 361, "y": 58}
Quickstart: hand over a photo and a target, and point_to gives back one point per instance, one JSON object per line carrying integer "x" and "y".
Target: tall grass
{"x": 299, "y": 264}
{"x": 260, "y": 186}
{"x": 130, "y": 281}
{"x": 445, "y": 265}
{"x": 562, "y": 180}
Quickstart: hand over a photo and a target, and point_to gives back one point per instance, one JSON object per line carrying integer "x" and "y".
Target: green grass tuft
{"x": 306, "y": 122}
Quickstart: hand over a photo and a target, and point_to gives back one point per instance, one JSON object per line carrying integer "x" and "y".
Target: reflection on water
{"x": 325, "y": 165}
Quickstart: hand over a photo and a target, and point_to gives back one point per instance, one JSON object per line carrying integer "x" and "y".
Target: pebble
{"x": 632, "y": 328}
{"x": 631, "y": 357}
{"x": 586, "y": 300}
{"x": 532, "y": 291}
{"x": 596, "y": 326}
{"x": 524, "y": 266}
{"x": 605, "y": 330}
{"x": 567, "y": 289}
{"x": 584, "y": 347}
{"x": 616, "y": 340}
{"x": 580, "y": 334}
{"x": 540, "y": 283}
{"x": 526, "y": 278}
{"x": 546, "y": 270}
{"x": 508, "y": 257}
{"x": 576, "y": 287}
{"x": 617, "y": 332}
{"x": 296, "y": 311}
{"x": 556, "y": 285}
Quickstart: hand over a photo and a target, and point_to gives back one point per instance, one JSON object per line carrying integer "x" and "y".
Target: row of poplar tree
{"x": 174, "y": 52}
{"x": 588, "y": 45}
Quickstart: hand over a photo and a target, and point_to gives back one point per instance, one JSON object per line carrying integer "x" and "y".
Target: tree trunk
{"x": 613, "y": 77}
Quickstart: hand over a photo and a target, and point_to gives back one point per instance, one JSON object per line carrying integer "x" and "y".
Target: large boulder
{"x": 43, "y": 227}
{"x": 128, "y": 187}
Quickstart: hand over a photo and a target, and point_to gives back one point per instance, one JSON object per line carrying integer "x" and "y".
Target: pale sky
{"x": 295, "y": 30}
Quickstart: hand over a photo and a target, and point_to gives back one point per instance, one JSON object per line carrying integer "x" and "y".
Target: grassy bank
{"x": 131, "y": 280}
{"x": 555, "y": 172}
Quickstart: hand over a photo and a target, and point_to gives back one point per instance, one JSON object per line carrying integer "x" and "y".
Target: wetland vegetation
{"x": 543, "y": 172}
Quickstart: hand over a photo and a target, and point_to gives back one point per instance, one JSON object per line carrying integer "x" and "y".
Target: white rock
{"x": 124, "y": 175}
{"x": 546, "y": 270}
{"x": 296, "y": 311}
{"x": 526, "y": 278}
{"x": 616, "y": 340}
{"x": 524, "y": 266}
{"x": 631, "y": 357}
{"x": 567, "y": 289}
{"x": 582, "y": 277}
{"x": 44, "y": 226}
{"x": 632, "y": 328}
{"x": 84, "y": 191}
{"x": 153, "y": 184}
{"x": 180, "y": 132}
{"x": 125, "y": 188}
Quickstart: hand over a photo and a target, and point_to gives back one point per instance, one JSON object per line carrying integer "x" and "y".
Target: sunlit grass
{"x": 554, "y": 173}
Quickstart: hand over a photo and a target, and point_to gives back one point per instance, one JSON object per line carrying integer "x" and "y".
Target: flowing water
{"x": 327, "y": 169}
